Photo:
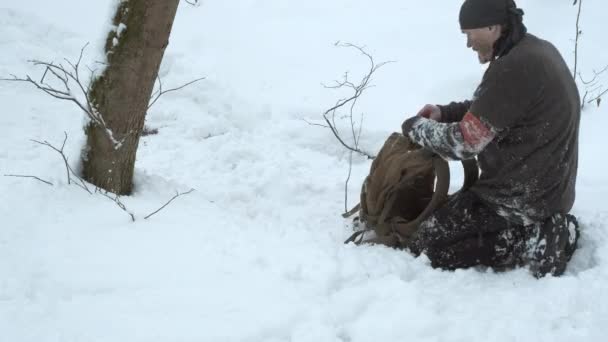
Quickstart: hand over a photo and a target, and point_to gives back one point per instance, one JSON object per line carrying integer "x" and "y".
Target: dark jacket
{"x": 530, "y": 99}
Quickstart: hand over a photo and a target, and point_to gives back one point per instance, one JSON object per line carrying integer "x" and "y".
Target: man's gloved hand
{"x": 430, "y": 111}
{"x": 407, "y": 125}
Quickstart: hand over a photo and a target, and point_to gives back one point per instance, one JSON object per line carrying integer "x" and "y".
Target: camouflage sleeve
{"x": 455, "y": 140}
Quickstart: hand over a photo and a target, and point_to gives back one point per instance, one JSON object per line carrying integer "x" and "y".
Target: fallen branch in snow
{"x": 116, "y": 200}
{"x": 160, "y": 92}
{"x": 330, "y": 115}
{"x": 83, "y": 185}
{"x": 67, "y": 77}
{"x": 28, "y": 176}
{"x": 177, "y": 194}
{"x": 210, "y": 135}
{"x": 70, "y": 175}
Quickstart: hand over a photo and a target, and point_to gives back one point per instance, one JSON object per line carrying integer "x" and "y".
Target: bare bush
{"x": 72, "y": 178}
{"x": 348, "y": 104}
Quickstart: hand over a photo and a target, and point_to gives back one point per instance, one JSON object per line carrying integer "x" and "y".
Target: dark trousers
{"x": 465, "y": 232}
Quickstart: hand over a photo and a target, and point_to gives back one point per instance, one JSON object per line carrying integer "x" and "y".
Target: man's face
{"x": 482, "y": 40}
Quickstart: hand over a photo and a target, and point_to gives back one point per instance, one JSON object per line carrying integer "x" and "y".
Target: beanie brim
{"x": 482, "y": 13}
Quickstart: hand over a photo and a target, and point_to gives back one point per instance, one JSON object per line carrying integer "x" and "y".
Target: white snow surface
{"x": 256, "y": 253}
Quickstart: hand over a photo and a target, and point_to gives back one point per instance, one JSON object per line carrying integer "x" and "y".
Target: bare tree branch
{"x": 160, "y": 92}
{"x": 27, "y": 176}
{"x": 314, "y": 124}
{"x": 596, "y": 74}
{"x": 177, "y": 194}
{"x": 116, "y": 200}
{"x": 70, "y": 174}
{"x": 356, "y": 138}
{"x": 593, "y": 86}
{"x": 583, "y": 101}
{"x": 598, "y": 99}
{"x": 330, "y": 115}
{"x": 578, "y": 33}
{"x": 68, "y": 169}
{"x": 66, "y": 76}
{"x": 358, "y": 89}
{"x": 350, "y": 170}
{"x": 60, "y": 151}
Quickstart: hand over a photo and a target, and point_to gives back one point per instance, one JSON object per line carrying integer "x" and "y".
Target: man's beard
{"x": 485, "y": 54}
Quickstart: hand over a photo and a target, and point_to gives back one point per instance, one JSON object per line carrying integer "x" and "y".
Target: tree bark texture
{"x": 121, "y": 94}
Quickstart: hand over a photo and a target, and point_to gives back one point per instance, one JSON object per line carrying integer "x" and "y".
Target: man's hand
{"x": 408, "y": 124}
{"x": 430, "y": 111}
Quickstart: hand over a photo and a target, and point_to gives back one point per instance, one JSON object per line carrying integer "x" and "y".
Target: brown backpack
{"x": 400, "y": 191}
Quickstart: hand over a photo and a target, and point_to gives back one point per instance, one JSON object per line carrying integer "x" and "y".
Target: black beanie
{"x": 483, "y": 13}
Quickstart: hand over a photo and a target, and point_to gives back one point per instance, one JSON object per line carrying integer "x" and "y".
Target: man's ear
{"x": 494, "y": 28}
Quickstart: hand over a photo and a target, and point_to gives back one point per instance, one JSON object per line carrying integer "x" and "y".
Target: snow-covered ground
{"x": 256, "y": 252}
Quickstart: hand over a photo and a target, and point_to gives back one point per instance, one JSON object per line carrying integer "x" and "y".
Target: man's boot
{"x": 551, "y": 245}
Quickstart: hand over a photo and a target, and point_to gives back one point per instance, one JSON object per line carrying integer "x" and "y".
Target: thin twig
{"x": 27, "y": 176}
{"x": 330, "y": 114}
{"x": 177, "y": 194}
{"x": 593, "y": 86}
{"x": 70, "y": 173}
{"x": 68, "y": 76}
{"x": 578, "y": 33}
{"x": 598, "y": 98}
{"x": 313, "y": 123}
{"x": 356, "y": 138}
{"x": 596, "y": 74}
{"x": 161, "y": 92}
{"x": 584, "y": 99}
{"x": 117, "y": 201}
{"x": 60, "y": 151}
{"x": 350, "y": 170}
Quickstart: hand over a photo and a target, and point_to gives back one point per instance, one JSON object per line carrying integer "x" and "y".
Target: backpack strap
{"x": 352, "y": 211}
{"x": 471, "y": 173}
{"x": 404, "y": 230}
{"x": 398, "y": 229}
{"x": 442, "y": 172}
{"x": 393, "y": 231}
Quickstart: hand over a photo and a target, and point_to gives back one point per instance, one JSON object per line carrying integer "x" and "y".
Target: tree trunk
{"x": 134, "y": 51}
